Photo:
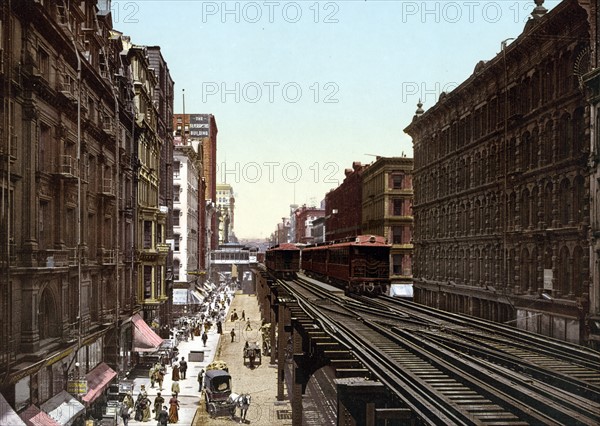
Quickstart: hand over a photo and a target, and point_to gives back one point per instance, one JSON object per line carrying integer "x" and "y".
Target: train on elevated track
{"x": 359, "y": 265}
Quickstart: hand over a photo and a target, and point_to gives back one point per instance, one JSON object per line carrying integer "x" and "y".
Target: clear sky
{"x": 302, "y": 89}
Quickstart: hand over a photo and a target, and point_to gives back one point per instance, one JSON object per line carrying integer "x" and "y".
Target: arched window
{"x": 535, "y": 147}
{"x": 547, "y": 144}
{"x": 565, "y": 136}
{"x": 578, "y": 268}
{"x": 564, "y": 270}
{"x": 525, "y": 271}
{"x": 526, "y": 151}
{"x": 564, "y": 202}
{"x": 578, "y": 199}
{"x": 525, "y": 209}
{"x": 48, "y": 316}
{"x": 548, "y": 205}
{"x": 579, "y": 139}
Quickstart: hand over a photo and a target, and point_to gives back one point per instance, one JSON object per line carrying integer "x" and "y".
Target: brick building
{"x": 304, "y": 217}
{"x": 343, "y": 210}
{"x": 502, "y": 184}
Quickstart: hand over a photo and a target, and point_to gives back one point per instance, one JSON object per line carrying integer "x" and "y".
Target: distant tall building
{"x": 203, "y": 128}
{"x": 226, "y": 212}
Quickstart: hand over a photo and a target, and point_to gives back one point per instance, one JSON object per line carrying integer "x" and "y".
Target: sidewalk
{"x": 260, "y": 382}
{"x": 189, "y": 398}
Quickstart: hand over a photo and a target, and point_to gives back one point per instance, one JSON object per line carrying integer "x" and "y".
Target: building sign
{"x": 199, "y": 125}
{"x": 77, "y": 387}
{"x": 547, "y": 279}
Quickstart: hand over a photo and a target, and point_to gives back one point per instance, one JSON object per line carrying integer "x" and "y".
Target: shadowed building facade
{"x": 502, "y": 184}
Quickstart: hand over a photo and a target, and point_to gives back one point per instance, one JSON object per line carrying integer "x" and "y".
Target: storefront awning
{"x": 144, "y": 338}
{"x": 63, "y": 408}
{"x": 8, "y": 416}
{"x": 97, "y": 380}
{"x": 183, "y": 296}
{"x": 33, "y": 416}
{"x": 202, "y": 291}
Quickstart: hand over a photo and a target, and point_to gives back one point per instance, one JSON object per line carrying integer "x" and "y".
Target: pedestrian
{"x": 139, "y": 407}
{"x": 248, "y": 325}
{"x": 173, "y": 409}
{"x": 152, "y": 375}
{"x": 163, "y": 416}
{"x": 175, "y": 375}
{"x": 146, "y": 411}
{"x": 125, "y": 413}
{"x": 160, "y": 376}
{"x": 183, "y": 368}
{"x": 128, "y": 401}
{"x": 204, "y": 338}
{"x": 243, "y": 315}
{"x": 200, "y": 379}
{"x": 158, "y": 403}
{"x": 175, "y": 389}
{"x": 232, "y": 335}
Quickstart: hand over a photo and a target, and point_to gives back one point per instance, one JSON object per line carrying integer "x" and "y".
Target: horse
{"x": 243, "y": 402}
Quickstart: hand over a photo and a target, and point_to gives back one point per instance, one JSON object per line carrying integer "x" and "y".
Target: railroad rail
{"x": 453, "y": 369}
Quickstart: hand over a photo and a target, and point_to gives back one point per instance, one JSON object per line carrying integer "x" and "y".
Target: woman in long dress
{"x": 173, "y": 409}
{"x": 175, "y": 371}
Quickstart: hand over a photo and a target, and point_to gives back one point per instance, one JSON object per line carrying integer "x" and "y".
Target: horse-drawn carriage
{"x": 217, "y": 390}
{"x": 220, "y": 401}
{"x": 252, "y": 353}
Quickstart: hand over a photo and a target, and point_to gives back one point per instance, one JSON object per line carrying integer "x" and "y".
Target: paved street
{"x": 260, "y": 382}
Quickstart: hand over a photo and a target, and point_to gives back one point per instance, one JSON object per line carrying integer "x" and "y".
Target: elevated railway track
{"x": 451, "y": 369}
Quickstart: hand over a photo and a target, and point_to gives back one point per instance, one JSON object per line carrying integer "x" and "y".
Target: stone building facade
{"x": 387, "y": 211}
{"x": 502, "y": 184}
{"x": 79, "y": 161}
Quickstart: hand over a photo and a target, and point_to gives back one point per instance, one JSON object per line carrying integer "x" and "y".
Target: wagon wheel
{"x": 212, "y": 410}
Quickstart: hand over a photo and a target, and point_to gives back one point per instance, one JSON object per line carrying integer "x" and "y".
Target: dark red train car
{"x": 359, "y": 266}
{"x": 283, "y": 260}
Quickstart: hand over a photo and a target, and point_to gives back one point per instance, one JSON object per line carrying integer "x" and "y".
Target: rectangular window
{"x": 176, "y": 169}
{"x": 397, "y": 181}
{"x": 397, "y": 264}
{"x": 45, "y": 149}
{"x": 147, "y": 234}
{"x": 396, "y": 234}
{"x": 43, "y": 63}
{"x": 44, "y": 225}
{"x": 147, "y": 282}
{"x": 176, "y": 214}
{"x": 176, "y": 237}
{"x": 176, "y": 191}
{"x": 397, "y": 206}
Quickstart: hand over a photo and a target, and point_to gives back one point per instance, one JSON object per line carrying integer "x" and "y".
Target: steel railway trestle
{"x": 450, "y": 369}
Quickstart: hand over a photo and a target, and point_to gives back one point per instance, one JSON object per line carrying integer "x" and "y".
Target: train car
{"x": 359, "y": 266}
{"x": 283, "y": 260}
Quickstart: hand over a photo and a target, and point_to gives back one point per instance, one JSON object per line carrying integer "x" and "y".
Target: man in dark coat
{"x": 163, "y": 417}
{"x": 183, "y": 367}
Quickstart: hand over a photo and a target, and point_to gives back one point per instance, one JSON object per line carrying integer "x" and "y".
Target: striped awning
{"x": 144, "y": 338}
{"x": 33, "y": 416}
{"x": 97, "y": 380}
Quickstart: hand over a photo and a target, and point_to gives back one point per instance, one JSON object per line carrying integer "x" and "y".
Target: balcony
{"x": 68, "y": 167}
{"x": 53, "y": 258}
{"x": 108, "y": 188}
{"x": 108, "y": 257}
